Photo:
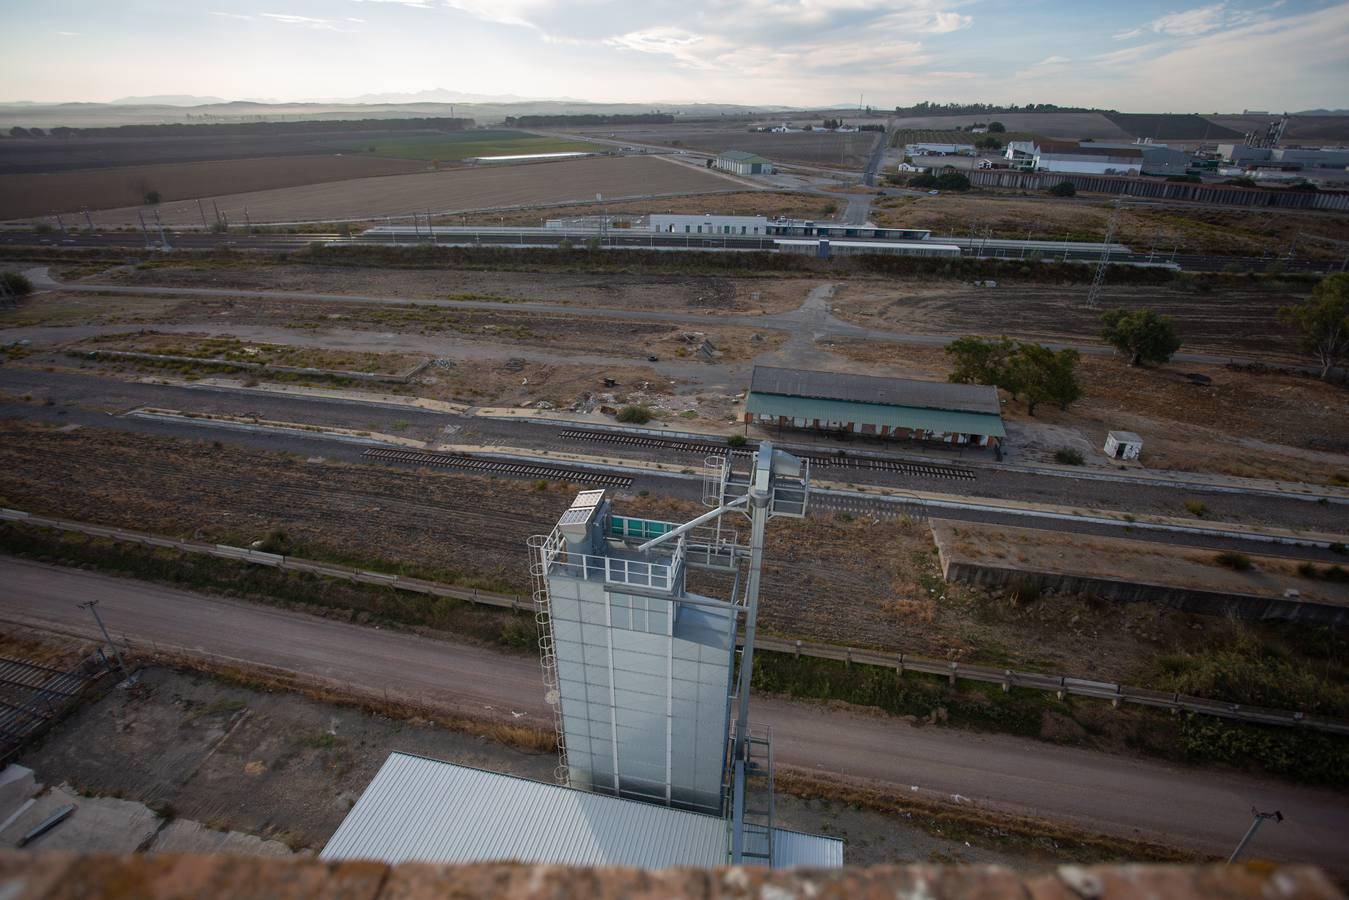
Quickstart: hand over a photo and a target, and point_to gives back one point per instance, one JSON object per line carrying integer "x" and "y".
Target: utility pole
{"x": 1098, "y": 280}
{"x": 201, "y": 209}
{"x": 92, "y": 606}
{"x": 163, "y": 241}
{"x": 1250, "y": 832}
{"x": 88, "y": 220}
{"x": 144, "y": 230}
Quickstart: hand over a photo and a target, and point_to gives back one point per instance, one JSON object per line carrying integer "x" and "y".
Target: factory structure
{"x": 898, "y": 408}
{"x": 742, "y": 162}
{"x": 659, "y": 763}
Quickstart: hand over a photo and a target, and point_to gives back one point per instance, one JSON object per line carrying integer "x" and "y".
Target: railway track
{"x": 828, "y": 505}
{"x": 817, "y": 460}
{"x": 497, "y": 466}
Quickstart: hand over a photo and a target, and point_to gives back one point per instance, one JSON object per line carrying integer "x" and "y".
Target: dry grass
{"x": 1119, "y": 559}
{"x": 207, "y": 347}
{"x": 1190, "y": 229}
{"x": 1038, "y": 839}
{"x": 748, "y": 203}
{"x": 43, "y": 649}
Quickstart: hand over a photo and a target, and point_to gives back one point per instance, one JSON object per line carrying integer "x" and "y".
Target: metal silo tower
{"x": 650, "y": 689}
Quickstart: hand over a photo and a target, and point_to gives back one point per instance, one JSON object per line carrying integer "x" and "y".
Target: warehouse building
{"x": 1087, "y": 159}
{"x": 828, "y": 248}
{"x": 742, "y": 162}
{"x": 898, "y": 408}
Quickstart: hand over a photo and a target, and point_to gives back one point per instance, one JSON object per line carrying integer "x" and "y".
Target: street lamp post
{"x": 1250, "y": 832}
{"x": 92, "y": 606}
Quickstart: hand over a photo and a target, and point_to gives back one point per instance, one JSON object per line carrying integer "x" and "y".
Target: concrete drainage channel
{"x": 496, "y": 466}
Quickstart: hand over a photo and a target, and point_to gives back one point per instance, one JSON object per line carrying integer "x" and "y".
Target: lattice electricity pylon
{"x": 1098, "y": 280}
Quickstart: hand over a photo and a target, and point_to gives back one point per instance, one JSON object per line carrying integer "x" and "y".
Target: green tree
{"x": 1140, "y": 334}
{"x": 152, "y": 198}
{"x": 15, "y": 284}
{"x": 980, "y": 361}
{"x": 1063, "y": 189}
{"x": 1045, "y": 376}
{"x": 988, "y": 143}
{"x": 996, "y": 128}
{"x": 953, "y": 181}
{"x": 923, "y": 180}
{"x": 1322, "y": 321}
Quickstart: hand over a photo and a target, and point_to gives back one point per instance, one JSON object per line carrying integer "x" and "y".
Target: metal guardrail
{"x": 1062, "y": 685}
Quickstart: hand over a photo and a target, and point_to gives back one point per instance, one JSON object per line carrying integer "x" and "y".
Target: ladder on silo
{"x": 543, "y": 621}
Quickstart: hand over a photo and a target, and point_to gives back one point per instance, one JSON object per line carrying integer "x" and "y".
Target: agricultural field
{"x": 95, "y": 152}
{"x": 25, "y": 195}
{"x": 1186, "y": 228}
{"x": 821, "y": 148}
{"x": 1308, "y": 129}
{"x": 1071, "y": 126}
{"x": 462, "y": 145}
{"x": 449, "y": 191}
{"x": 748, "y": 203}
{"x": 1172, "y": 126}
{"x": 903, "y": 136}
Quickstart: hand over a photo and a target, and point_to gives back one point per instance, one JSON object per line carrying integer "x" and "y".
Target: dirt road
{"x": 1119, "y": 795}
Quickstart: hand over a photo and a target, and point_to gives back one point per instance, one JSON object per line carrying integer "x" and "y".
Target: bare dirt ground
{"x": 1254, "y": 424}
{"x": 1225, "y": 318}
{"x": 864, "y": 583}
{"x": 46, "y": 193}
{"x": 289, "y": 768}
{"x": 701, "y": 294}
{"x": 1186, "y": 229}
{"x": 1120, "y": 559}
{"x": 750, "y": 203}
{"x": 571, "y": 181}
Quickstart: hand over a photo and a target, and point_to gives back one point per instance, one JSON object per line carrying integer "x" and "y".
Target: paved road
{"x": 1118, "y": 795}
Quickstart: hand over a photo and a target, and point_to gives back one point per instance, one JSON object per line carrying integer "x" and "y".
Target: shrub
{"x": 1063, "y": 189}
{"x": 16, "y": 284}
{"x": 1068, "y": 456}
{"x": 152, "y": 198}
{"x": 737, "y": 440}
{"x": 1196, "y": 508}
{"x": 1238, "y": 562}
{"x": 635, "y": 414}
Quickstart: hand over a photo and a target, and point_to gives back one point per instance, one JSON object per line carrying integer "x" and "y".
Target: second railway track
{"x": 818, "y": 460}
{"x": 497, "y": 466}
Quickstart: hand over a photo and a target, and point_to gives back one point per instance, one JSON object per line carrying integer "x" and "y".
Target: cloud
{"x": 1201, "y": 20}
{"x": 70, "y": 33}
{"x": 309, "y": 22}
{"x": 1127, "y": 35}
{"x": 229, "y": 15}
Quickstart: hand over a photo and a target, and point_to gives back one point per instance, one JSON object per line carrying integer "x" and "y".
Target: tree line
{"x": 180, "y": 129}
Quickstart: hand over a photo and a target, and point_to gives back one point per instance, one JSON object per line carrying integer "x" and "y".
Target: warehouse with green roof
{"x": 899, "y": 408}
{"x": 742, "y": 162}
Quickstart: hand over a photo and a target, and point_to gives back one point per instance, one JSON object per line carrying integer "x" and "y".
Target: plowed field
{"x": 450, "y": 191}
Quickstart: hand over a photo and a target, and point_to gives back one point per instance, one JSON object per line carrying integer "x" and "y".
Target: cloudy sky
{"x": 1141, "y": 56}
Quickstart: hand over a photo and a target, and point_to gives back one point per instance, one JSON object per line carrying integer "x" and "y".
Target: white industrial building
{"x": 929, "y": 149}
{"x": 708, "y": 224}
{"x": 1087, "y": 159}
{"x": 659, "y": 764}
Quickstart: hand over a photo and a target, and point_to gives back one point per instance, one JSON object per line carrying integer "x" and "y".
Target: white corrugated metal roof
{"x": 419, "y": 809}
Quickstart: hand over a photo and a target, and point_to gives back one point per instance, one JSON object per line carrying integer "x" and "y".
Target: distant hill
{"x": 1172, "y": 126}
{"x": 166, "y": 100}
{"x": 1323, "y": 112}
